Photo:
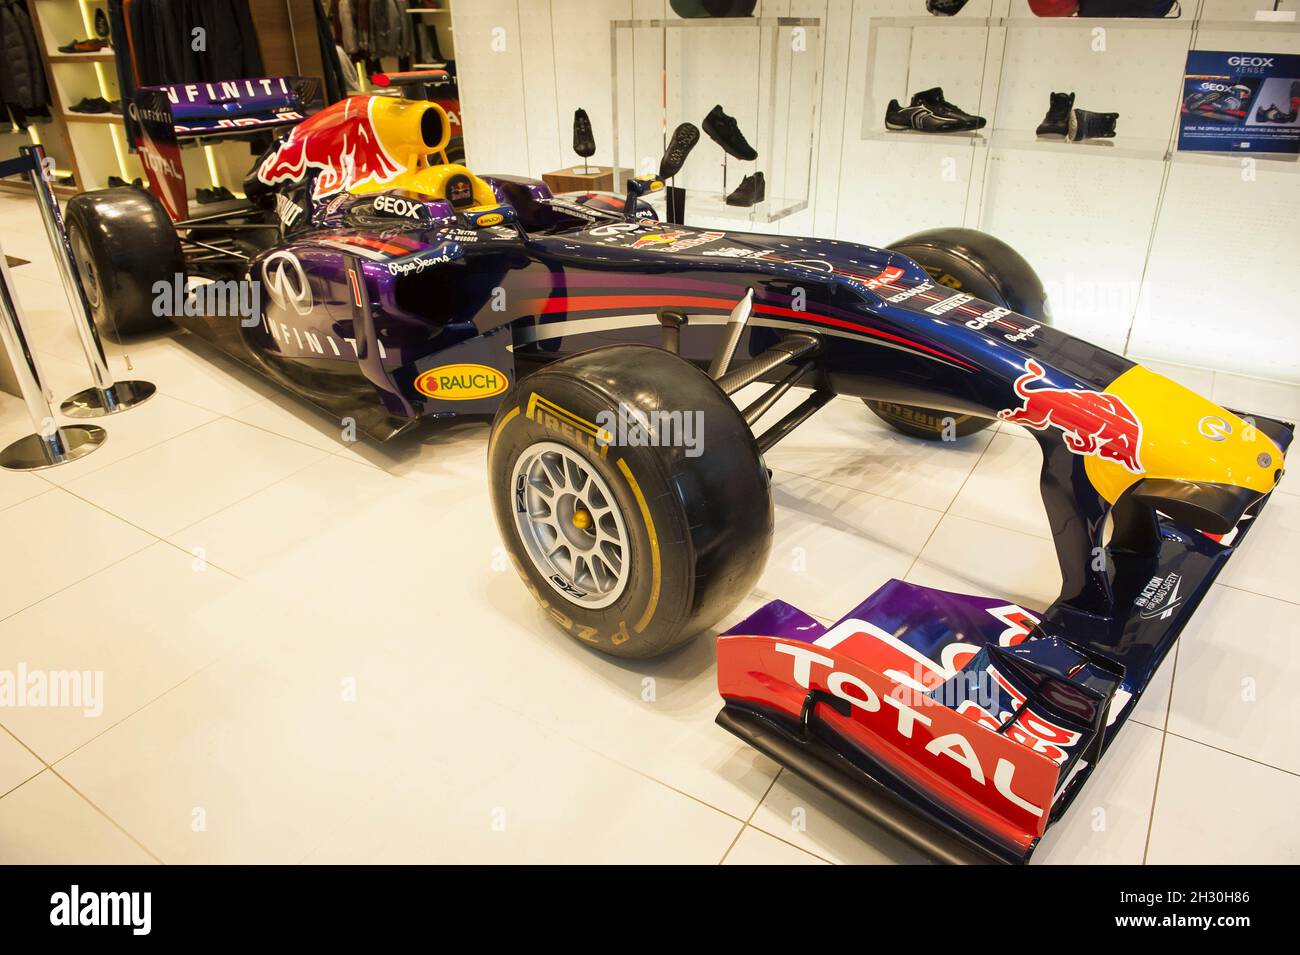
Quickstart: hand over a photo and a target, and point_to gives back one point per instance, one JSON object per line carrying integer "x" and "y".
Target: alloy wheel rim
{"x": 570, "y": 525}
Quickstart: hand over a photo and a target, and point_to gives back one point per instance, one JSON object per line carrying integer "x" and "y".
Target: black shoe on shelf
{"x": 923, "y": 118}
{"x": 584, "y": 144}
{"x": 101, "y": 23}
{"x": 222, "y": 194}
{"x": 752, "y": 189}
{"x": 115, "y": 107}
{"x": 933, "y": 98}
{"x": 91, "y": 104}
{"x": 203, "y": 195}
{"x": 944, "y": 8}
{"x": 725, "y": 131}
{"x": 684, "y": 139}
{"x": 1057, "y": 120}
{"x": 1087, "y": 125}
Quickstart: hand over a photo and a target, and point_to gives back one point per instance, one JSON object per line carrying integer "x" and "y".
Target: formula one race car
{"x": 393, "y": 286}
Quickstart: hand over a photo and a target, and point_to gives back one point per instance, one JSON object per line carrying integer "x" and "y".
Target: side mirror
{"x": 638, "y": 187}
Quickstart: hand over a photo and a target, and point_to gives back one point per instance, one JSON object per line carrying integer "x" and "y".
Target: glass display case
{"x": 765, "y": 73}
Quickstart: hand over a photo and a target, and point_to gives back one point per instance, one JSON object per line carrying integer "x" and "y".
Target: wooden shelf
{"x": 92, "y": 117}
{"x": 104, "y": 56}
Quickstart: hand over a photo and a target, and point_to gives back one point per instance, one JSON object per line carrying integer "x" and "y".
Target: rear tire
{"x": 632, "y": 549}
{"x": 979, "y": 264}
{"x": 123, "y": 243}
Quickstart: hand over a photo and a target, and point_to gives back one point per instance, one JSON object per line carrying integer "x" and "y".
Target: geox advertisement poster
{"x": 1241, "y": 102}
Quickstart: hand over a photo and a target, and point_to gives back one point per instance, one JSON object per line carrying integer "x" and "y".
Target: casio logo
{"x": 397, "y": 206}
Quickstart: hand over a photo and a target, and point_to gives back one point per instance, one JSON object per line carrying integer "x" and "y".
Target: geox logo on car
{"x": 131, "y": 909}
{"x": 949, "y": 303}
{"x": 463, "y": 382}
{"x": 1160, "y": 597}
{"x": 402, "y": 208}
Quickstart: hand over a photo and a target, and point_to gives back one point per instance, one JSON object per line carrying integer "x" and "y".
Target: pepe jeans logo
{"x": 463, "y": 382}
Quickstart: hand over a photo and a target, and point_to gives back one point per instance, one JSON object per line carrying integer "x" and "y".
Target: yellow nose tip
{"x": 581, "y": 519}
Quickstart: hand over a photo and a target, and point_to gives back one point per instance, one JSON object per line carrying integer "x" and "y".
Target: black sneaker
{"x": 933, "y": 98}
{"x": 1086, "y": 125}
{"x": 1057, "y": 120}
{"x": 101, "y": 23}
{"x": 1272, "y": 114}
{"x": 752, "y": 189}
{"x": 684, "y": 139}
{"x": 921, "y": 117}
{"x": 95, "y": 104}
{"x": 724, "y": 131}
{"x": 944, "y": 8}
{"x": 584, "y": 144}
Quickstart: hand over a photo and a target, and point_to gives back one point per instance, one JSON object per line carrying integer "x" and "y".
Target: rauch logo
{"x": 464, "y": 382}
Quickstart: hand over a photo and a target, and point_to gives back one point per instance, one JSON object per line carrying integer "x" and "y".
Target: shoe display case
{"x": 751, "y": 85}
{"x": 1097, "y": 213}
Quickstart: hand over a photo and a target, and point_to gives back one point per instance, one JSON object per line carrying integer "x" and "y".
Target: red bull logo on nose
{"x": 341, "y": 143}
{"x": 1092, "y": 422}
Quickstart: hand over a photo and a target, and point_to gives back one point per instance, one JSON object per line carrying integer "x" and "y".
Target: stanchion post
{"x": 105, "y": 396}
{"x": 49, "y": 445}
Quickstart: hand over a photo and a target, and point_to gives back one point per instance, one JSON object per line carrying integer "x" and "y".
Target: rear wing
{"x": 169, "y": 115}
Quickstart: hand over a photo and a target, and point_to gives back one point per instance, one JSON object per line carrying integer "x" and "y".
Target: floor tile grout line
{"x": 80, "y": 580}
{"x": 133, "y": 454}
{"x": 785, "y": 841}
{"x": 139, "y": 709}
{"x": 948, "y": 509}
{"x": 1228, "y": 752}
{"x": 753, "y": 812}
{"x": 583, "y": 744}
{"x": 280, "y": 480}
{"x": 117, "y": 825}
{"x": 1160, "y": 760}
{"x": 49, "y": 487}
{"x": 1255, "y": 593}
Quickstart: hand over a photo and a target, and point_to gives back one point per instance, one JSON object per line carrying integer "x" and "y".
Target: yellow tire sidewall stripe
{"x": 653, "y": 602}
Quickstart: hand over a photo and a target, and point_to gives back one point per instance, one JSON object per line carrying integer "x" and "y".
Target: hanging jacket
{"x": 22, "y": 74}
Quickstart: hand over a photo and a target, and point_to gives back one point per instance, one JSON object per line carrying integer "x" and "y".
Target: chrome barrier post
{"x": 50, "y": 445}
{"x": 105, "y": 396}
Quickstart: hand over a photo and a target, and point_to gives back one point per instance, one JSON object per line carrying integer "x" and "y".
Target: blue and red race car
{"x": 392, "y": 285}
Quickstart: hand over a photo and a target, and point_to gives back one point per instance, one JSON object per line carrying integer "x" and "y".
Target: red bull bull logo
{"x": 341, "y": 143}
{"x": 1092, "y": 422}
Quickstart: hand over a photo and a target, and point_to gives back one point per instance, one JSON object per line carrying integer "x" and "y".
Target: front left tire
{"x": 630, "y": 547}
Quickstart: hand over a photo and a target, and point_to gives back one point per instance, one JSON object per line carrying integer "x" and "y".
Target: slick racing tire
{"x": 988, "y": 268}
{"x": 630, "y": 546}
{"x": 123, "y": 243}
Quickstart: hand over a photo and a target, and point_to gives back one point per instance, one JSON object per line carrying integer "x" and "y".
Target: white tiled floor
{"x": 313, "y": 651}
